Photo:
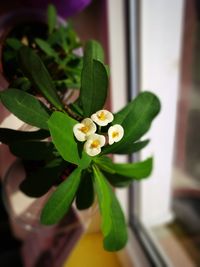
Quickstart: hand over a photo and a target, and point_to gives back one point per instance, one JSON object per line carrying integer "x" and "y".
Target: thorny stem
{"x": 72, "y": 114}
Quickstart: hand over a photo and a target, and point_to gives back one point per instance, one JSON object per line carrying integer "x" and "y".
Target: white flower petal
{"x": 90, "y": 125}
{"x": 91, "y": 151}
{"x": 84, "y": 129}
{"x": 93, "y": 144}
{"x": 102, "y": 117}
{"x": 115, "y": 133}
{"x": 80, "y": 136}
{"x": 110, "y": 141}
{"x": 98, "y": 137}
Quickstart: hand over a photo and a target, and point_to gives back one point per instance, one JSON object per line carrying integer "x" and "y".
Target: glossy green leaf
{"x": 61, "y": 129}
{"x": 118, "y": 180}
{"x": 51, "y": 17}
{"x": 26, "y": 107}
{"x": 136, "y": 119}
{"x": 38, "y": 183}
{"x": 94, "y": 79}
{"x": 35, "y": 70}
{"x": 137, "y": 170}
{"x": 122, "y": 175}
{"x": 46, "y": 48}
{"x": 94, "y": 83}
{"x": 130, "y": 147}
{"x": 60, "y": 201}
{"x": 32, "y": 150}
{"x": 7, "y": 136}
{"x": 113, "y": 222}
{"x": 85, "y": 193}
{"x": 104, "y": 163}
{"x": 93, "y": 50}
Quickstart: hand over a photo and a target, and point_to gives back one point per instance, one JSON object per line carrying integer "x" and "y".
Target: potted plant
{"x": 54, "y": 41}
{"x": 74, "y": 141}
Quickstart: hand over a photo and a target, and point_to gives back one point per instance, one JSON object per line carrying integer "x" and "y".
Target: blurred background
{"x": 149, "y": 45}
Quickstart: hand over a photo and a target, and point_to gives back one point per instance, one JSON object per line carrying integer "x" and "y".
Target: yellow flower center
{"x": 115, "y": 134}
{"x": 95, "y": 144}
{"x": 84, "y": 129}
{"x": 101, "y": 116}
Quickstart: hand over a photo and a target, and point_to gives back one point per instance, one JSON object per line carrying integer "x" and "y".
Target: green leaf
{"x": 107, "y": 69}
{"x": 14, "y": 43}
{"x": 121, "y": 175}
{"x": 61, "y": 129}
{"x": 67, "y": 83}
{"x": 9, "y": 55}
{"x": 75, "y": 107}
{"x": 59, "y": 38}
{"x": 63, "y": 32}
{"x": 26, "y": 107}
{"x": 21, "y": 83}
{"x": 51, "y": 17}
{"x": 46, "y": 48}
{"x": 38, "y": 183}
{"x": 85, "y": 193}
{"x": 35, "y": 70}
{"x": 7, "y": 136}
{"x": 113, "y": 221}
{"x": 94, "y": 84}
{"x": 93, "y": 50}
{"x": 60, "y": 201}
{"x": 104, "y": 163}
{"x": 32, "y": 150}
{"x": 130, "y": 147}
{"x": 94, "y": 79}
{"x": 118, "y": 180}
{"x": 137, "y": 170}
{"x": 136, "y": 119}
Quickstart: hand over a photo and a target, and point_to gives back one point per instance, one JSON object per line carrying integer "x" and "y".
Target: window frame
{"x": 149, "y": 51}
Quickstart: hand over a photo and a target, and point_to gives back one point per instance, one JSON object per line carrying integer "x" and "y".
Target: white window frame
{"x": 160, "y": 51}
{"x": 161, "y": 40}
{"x": 118, "y": 67}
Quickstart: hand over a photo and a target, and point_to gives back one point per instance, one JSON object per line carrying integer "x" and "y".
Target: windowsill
{"x": 171, "y": 247}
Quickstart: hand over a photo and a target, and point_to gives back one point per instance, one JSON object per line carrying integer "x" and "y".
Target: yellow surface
{"x": 90, "y": 253}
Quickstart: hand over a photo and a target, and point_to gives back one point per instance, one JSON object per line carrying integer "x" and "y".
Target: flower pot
{"x": 8, "y": 22}
{"x": 8, "y": 120}
{"x": 49, "y": 245}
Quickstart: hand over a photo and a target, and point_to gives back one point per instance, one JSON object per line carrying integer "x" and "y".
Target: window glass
{"x": 181, "y": 237}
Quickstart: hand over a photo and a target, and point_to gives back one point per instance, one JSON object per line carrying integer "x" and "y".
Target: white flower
{"x": 102, "y": 117}
{"x": 93, "y": 144}
{"x": 84, "y": 129}
{"x": 115, "y": 133}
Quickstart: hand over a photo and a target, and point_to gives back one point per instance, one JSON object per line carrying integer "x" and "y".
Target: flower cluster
{"x": 86, "y": 131}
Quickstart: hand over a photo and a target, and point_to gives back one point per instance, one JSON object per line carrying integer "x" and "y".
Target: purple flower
{"x": 65, "y": 8}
